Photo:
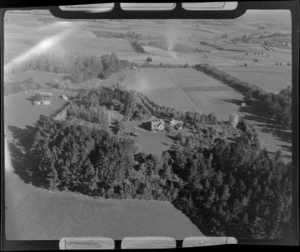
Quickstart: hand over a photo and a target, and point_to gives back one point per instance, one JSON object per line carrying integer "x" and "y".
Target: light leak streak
{"x": 7, "y": 160}
{"x": 40, "y": 48}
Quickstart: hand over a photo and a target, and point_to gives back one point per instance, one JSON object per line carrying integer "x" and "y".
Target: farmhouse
{"x": 64, "y": 97}
{"x": 42, "y": 99}
{"x": 156, "y": 124}
{"x": 176, "y": 124}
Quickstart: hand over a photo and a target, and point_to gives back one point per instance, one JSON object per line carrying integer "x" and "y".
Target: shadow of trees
{"x": 172, "y": 137}
{"x": 31, "y": 99}
{"x": 266, "y": 124}
{"x": 234, "y": 101}
{"x": 145, "y": 126}
{"x": 19, "y": 150}
{"x": 184, "y": 207}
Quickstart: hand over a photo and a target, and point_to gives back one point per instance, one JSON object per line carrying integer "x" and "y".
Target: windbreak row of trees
{"x": 218, "y": 47}
{"x": 162, "y": 111}
{"x": 230, "y": 188}
{"x": 277, "y": 106}
{"x": 80, "y": 67}
{"x": 137, "y": 47}
{"x": 138, "y": 106}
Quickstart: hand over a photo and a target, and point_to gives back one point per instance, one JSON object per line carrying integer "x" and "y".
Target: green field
{"x": 272, "y": 79}
{"x": 20, "y": 112}
{"x": 38, "y": 214}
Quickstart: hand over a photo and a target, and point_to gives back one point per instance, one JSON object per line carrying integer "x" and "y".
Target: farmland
{"x": 269, "y": 78}
{"x": 28, "y": 216}
{"x": 185, "y": 43}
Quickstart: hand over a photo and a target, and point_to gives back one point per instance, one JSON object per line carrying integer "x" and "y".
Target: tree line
{"x": 26, "y": 85}
{"x": 137, "y": 47}
{"x": 277, "y": 106}
{"x": 162, "y": 111}
{"x": 137, "y": 106}
{"x": 227, "y": 187}
{"x": 79, "y": 67}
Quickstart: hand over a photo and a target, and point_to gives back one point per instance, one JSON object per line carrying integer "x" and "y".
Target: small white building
{"x": 64, "y": 97}
{"x": 176, "y": 124}
{"x": 243, "y": 104}
{"x": 45, "y": 101}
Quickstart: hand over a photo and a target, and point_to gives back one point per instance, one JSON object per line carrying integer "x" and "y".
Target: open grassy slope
{"x": 38, "y": 214}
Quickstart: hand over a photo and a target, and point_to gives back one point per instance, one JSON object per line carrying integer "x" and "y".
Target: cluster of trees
{"x": 162, "y": 111}
{"x": 178, "y": 47}
{"x": 118, "y": 99}
{"x": 131, "y": 104}
{"x": 21, "y": 86}
{"x": 137, "y": 47}
{"x": 233, "y": 188}
{"x": 111, "y": 64}
{"x": 277, "y": 106}
{"x": 29, "y": 84}
{"x": 76, "y": 158}
{"x": 80, "y": 67}
{"x": 230, "y": 188}
{"x": 93, "y": 114}
{"x": 139, "y": 36}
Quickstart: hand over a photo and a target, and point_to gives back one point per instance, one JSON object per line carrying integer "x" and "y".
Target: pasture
{"x": 270, "y": 78}
{"x": 20, "y": 112}
{"x": 37, "y": 214}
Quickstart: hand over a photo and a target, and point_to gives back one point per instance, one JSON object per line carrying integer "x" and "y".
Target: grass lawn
{"x": 38, "y": 214}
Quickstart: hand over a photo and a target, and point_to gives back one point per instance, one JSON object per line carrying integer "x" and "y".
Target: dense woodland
{"x": 78, "y": 66}
{"x": 276, "y": 106}
{"x": 226, "y": 187}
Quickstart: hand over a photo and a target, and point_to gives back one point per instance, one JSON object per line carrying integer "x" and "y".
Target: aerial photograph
{"x": 148, "y": 127}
